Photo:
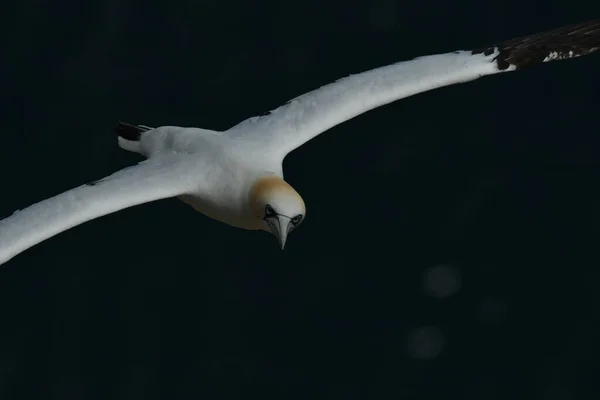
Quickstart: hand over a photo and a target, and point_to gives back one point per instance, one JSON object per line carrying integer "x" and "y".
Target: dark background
{"x": 450, "y": 247}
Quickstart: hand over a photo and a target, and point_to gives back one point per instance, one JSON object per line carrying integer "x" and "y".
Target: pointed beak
{"x": 282, "y": 240}
{"x": 280, "y": 226}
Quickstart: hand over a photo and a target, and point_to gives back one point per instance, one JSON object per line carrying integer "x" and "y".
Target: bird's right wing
{"x": 301, "y": 119}
{"x": 157, "y": 178}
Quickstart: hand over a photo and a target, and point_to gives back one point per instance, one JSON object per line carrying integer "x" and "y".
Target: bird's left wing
{"x": 153, "y": 179}
{"x": 291, "y": 125}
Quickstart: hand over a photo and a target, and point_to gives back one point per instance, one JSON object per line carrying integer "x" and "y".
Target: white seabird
{"x": 236, "y": 176}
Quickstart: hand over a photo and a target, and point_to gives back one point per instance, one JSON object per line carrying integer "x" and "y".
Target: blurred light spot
{"x": 425, "y": 343}
{"x": 493, "y": 310}
{"x": 441, "y": 281}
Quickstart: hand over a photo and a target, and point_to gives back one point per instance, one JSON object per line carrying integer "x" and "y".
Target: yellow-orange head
{"x": 278, "y": 205}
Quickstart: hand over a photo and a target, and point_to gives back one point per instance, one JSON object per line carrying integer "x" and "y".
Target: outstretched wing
{"x": 153, "y": 179}
{"x": 291, "y": 125}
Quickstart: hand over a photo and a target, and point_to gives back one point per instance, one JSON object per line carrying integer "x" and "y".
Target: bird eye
{"x": 296, "y": 220}
{"x": 269, "y": 210}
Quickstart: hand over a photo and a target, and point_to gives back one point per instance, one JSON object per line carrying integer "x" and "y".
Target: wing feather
{"x": 150, "y": 180}
{"x": 299, "y": 120}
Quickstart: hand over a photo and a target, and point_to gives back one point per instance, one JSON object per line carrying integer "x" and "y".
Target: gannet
{"x": 236, "y": 176}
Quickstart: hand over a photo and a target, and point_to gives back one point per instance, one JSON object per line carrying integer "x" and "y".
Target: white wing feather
{"x": 312, "y": 113}
{"x": 306, "y": 116}
{"x": 150, "y": 180}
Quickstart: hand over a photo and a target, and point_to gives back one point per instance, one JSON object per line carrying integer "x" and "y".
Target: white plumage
{"x": 236, "y": 176}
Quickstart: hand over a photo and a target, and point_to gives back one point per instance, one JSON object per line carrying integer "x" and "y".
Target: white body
{"x": 228, "y": 175}
{"x": 224, "y": 170}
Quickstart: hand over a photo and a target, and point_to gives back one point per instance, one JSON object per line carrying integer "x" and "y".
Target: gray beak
{"x": 280, "y": 226}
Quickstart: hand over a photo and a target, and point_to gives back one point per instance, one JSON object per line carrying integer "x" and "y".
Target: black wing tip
{"x": 569, "y": 41}
{"x": 129, "y": 131}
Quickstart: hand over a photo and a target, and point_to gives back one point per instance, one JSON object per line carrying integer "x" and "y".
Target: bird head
{"x": 279, "y": 207}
